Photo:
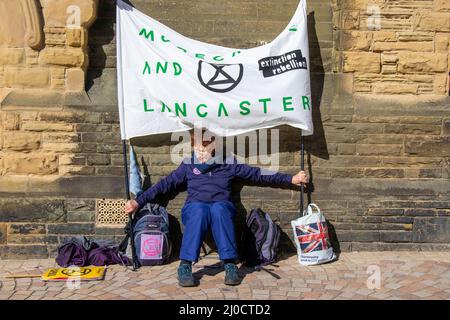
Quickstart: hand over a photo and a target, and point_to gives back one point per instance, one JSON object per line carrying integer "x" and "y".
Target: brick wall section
{"x": 393, "y": 47}
{"x": 380, "y": 164}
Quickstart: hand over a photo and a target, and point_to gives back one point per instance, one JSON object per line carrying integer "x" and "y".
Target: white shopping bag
{"x": 312, "y": 238}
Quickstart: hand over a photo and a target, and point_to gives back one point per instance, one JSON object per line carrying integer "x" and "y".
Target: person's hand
{"x": 300, "y": 178}
{"x": 131, "y": 206}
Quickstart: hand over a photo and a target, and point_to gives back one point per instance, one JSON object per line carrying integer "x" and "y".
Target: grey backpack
{"x": 260, "y": 239}
{"x": 150, "y": 231}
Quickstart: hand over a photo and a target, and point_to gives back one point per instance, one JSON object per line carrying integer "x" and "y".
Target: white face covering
{"x": 204, "y": 153}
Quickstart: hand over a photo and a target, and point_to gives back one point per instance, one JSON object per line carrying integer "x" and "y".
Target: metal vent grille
{"x": 110, "y": 212}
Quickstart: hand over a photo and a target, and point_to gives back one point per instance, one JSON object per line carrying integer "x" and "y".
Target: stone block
{"x": 412, "y": 129}
{"x": 432, "y": 21}
{"x": 11, "y": 56}
{"x": 81, "y": 216}
{"x": 75, "y": 37}
{"x": 72, "y": 159}
{"x": 394, "y": 87}
{"x": 347, "y": 173}
{"x": 432, "y": 230}
{"x": 23, "y": 251}
{"x": 441, "y": 5}
{"x": 10, "y": 121}
{"x": 71, "y": 228}
{"x": 86, "y": 127}
{"x": 75, "y": 80}
{"x": 60, "y": 137}
{"x": 76, "y": 170}
{"x": 396, "y": 236}
{"x": 63, "y": 57}
{"x": 58, "y": 84}
{"x": 70, "y": 117}
{"x": 441, "y": 84}
{"x": 384, "y": 173}
{"x": 362, "y": 62}
{"x": 446, "y": 127}
{"x": 385, "y": 212}
{"x": 3, "y": 233}
{"x": 437, "y": 147}
{"x": 358, "y": 235}
{"x": 27, "y": 77}
{"x": 58, "y": 73}
{"x": 46, "y": 126}
{"x": 417, "y": 212}
{"x": 21, "y": 141}
{"x": 32, "y": 209}
{"x": 115, "y": 171}
{"x": 26, "y": 228}
{"x": 98, "y": 159}
{"x": 26, "y": 239}
{"x": 63, "y": 147}
{"x": 356, "y": 40}
{"x": 420, "y": 46}
{"x": 64, "y": 13}
{"x": 39, "y": 164}
{"x": 380, "y": 149}
{"x": 415, "y": 62}
{"x": 350, "y": 19}
{"x": 80, "y": 204}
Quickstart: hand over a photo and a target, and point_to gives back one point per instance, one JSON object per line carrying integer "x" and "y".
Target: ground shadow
{"x": 334, "y": 239}
{"x": 101, "y": 34}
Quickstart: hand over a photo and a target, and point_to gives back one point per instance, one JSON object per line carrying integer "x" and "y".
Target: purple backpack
{"x": 260, "y": 239}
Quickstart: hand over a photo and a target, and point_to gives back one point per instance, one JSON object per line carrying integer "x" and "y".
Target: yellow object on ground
{"x": 74, "y": 273}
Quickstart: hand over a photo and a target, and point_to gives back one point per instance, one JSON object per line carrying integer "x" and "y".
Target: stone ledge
{"x": 17, "y": 98}
{"x": 113, "y": 187}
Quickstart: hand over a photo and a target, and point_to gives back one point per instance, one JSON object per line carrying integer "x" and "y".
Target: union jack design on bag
{"x": 313, "y": 237}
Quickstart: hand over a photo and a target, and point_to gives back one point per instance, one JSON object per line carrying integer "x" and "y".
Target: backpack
{"x": 152, "y": 244}
{"x": 260, "y": 239}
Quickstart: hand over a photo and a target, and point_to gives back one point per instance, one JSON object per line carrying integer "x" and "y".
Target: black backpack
{"x": 150, "y": 232}
{"x": 260, "y": 239}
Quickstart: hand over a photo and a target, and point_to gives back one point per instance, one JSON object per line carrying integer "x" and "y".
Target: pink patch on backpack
{"x": 196, "y": 171}
{"x": 151, "y": 246}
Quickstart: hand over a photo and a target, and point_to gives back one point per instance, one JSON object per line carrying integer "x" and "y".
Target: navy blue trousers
{"x": 197, "y": 217}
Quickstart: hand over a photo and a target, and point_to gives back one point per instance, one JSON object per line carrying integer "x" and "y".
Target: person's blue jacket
{"x": 214, "y": 184}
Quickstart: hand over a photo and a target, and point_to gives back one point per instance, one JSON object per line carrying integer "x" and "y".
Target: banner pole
{"x": 127, "y": 190}
{"x": 125, "y": 169}
{"x": 302, "y": 167}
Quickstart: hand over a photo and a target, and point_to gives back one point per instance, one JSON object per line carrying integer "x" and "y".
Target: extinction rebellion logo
{"x": 219, "y": 77}
{"x": 276, "y": 65}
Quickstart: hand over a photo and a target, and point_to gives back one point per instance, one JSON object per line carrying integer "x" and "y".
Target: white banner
{"x": 168, "y": 82}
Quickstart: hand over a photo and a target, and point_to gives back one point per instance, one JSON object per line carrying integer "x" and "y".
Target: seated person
{"x": 208, "y": 204}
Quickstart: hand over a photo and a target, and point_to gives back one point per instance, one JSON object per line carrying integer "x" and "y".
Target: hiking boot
{"x": 232, "y": 277}
{"x": 185, "y": 277}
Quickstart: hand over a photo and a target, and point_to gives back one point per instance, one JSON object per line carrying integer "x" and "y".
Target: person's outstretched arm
{"x": 165, "y": 185}
{"x": 254, "y": 174}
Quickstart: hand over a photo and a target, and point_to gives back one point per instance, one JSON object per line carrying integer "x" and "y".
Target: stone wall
{"x": 393, "y": 47}
{"x": 43, "y": 45}
{"x": 379, "y": 158}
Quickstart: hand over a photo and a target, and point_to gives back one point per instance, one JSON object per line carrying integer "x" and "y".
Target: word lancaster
{"x": 245, "y": 108}
{"x": 272, "y": 66}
